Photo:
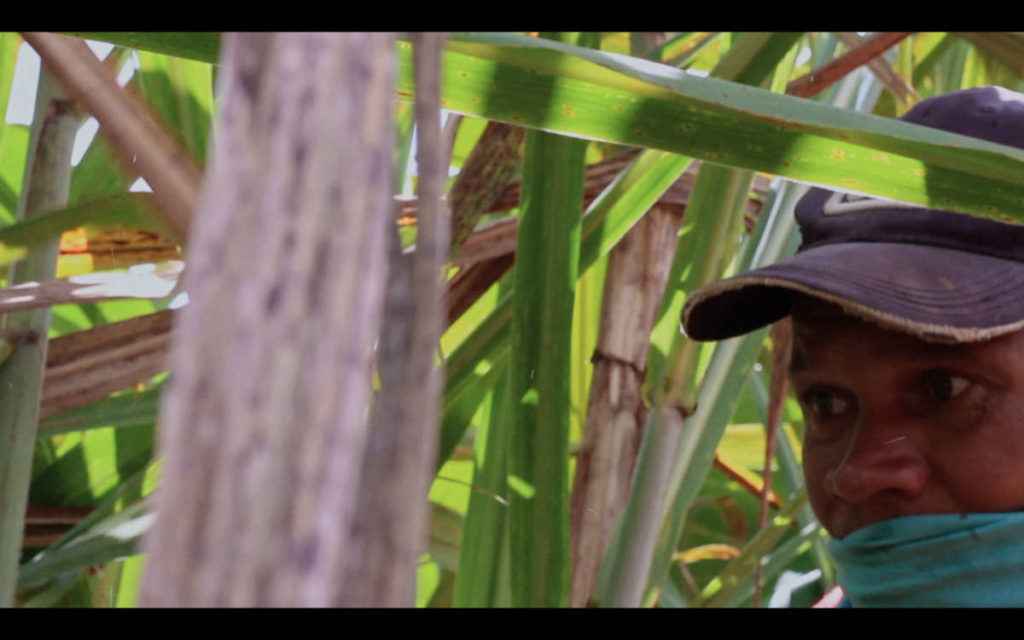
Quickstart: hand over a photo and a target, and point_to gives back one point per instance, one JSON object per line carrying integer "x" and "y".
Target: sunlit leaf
{"x": 197, "y": 45}
{"x": 598, "y": 95}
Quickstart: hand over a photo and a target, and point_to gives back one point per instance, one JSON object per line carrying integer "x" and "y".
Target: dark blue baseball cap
{"x": 940, "y": 275}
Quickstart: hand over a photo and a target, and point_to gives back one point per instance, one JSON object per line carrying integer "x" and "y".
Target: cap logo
{"x": 842, "y": 203}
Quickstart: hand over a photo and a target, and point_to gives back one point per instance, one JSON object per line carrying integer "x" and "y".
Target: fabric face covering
{"x": 947, "y": 560}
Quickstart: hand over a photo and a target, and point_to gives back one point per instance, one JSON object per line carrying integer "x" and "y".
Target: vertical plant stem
{"x": 539, "y": 379}
{"x": 709, "y": 217}
{"x": 713, "y": 213}
{"x": 389, "y": 528}
{"x": 637, "y": 271}
{"x": 450, "y": 132}
{"x": 716, "y": 211}
{"x": 781, "y": 333}
{"x": 627, "y": 577}
{"x": 264, "y": 426}
{"x": 638, "y": 268}
{"x": 546, "y": 266}
{"x": 608, "y": 218}
{"x": 46, "y": 186}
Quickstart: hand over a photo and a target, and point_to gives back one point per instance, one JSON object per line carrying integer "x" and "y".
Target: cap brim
{"x": 937, "y": 294}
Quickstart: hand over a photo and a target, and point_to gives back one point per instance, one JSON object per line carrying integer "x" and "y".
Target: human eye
{"x": 827, "y": 413}
{"x": 942, "y": 386}
{"x": 825, "y": 404}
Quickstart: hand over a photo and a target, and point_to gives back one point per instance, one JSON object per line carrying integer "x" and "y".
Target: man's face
{"x": 896, "y": 426}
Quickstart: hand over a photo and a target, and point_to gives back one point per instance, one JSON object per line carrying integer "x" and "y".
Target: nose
{"x": 880, "y": 462}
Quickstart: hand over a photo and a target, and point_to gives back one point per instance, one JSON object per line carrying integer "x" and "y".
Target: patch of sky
{"x": 412, "y": 168}
{"x": 803, "y": 56}
{"x": 140, "y": 186}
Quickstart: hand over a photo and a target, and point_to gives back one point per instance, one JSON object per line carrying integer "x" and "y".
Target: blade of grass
{"x": 991, "y": 70}
{"x": 1007, "y": 48}
{"x": 632, "y": 101}
{"x": 181, "y": 92}
{"x": 13, "y": 138}
{"x": 545, "y": 277}
{"x": 195, "y": 45}
{"x": 120, "y": 411}
{"x": 779, "y": 558}
{"x": 86, "y": 466}
{"x": 404, "y": 120}
{"x": 480, "y": 557}
{"x": 949, "y": 66}
{"x": 714, "y": 214}
{"x": 720, "y": 591}
{"x": 109, "y": 539}
{"x": 10, "y": 43}
{"x": 679, "y": 50}
{"x": 99, "y": 174}
{"x": 788, "y": 131}
{"x": 126, "y": 494}
{"x": 754, "y": 57}
{"x": 471, "y": 369}
{"x": 792, "y": 478}
{"x": 129, "y": 582}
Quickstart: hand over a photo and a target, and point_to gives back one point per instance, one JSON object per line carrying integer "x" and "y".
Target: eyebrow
{"x": 917, "y": 350}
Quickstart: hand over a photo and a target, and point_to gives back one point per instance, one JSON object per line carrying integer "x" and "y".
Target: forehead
{"x": 823, "y": 331}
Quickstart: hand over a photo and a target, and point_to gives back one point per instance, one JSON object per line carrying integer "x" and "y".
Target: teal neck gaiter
{"x": 948, "y": 560}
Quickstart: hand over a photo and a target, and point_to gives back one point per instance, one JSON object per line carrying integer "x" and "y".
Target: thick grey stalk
{"x": 390, "y": 525}
{"x": 263, "y": 427}
{"x": 47, "y": 181}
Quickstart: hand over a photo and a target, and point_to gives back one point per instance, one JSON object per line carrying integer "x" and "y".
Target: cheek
{"x": 818, "y": 461}
{"x": 984, "y": 468}
{"x": 995, "y": 484}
